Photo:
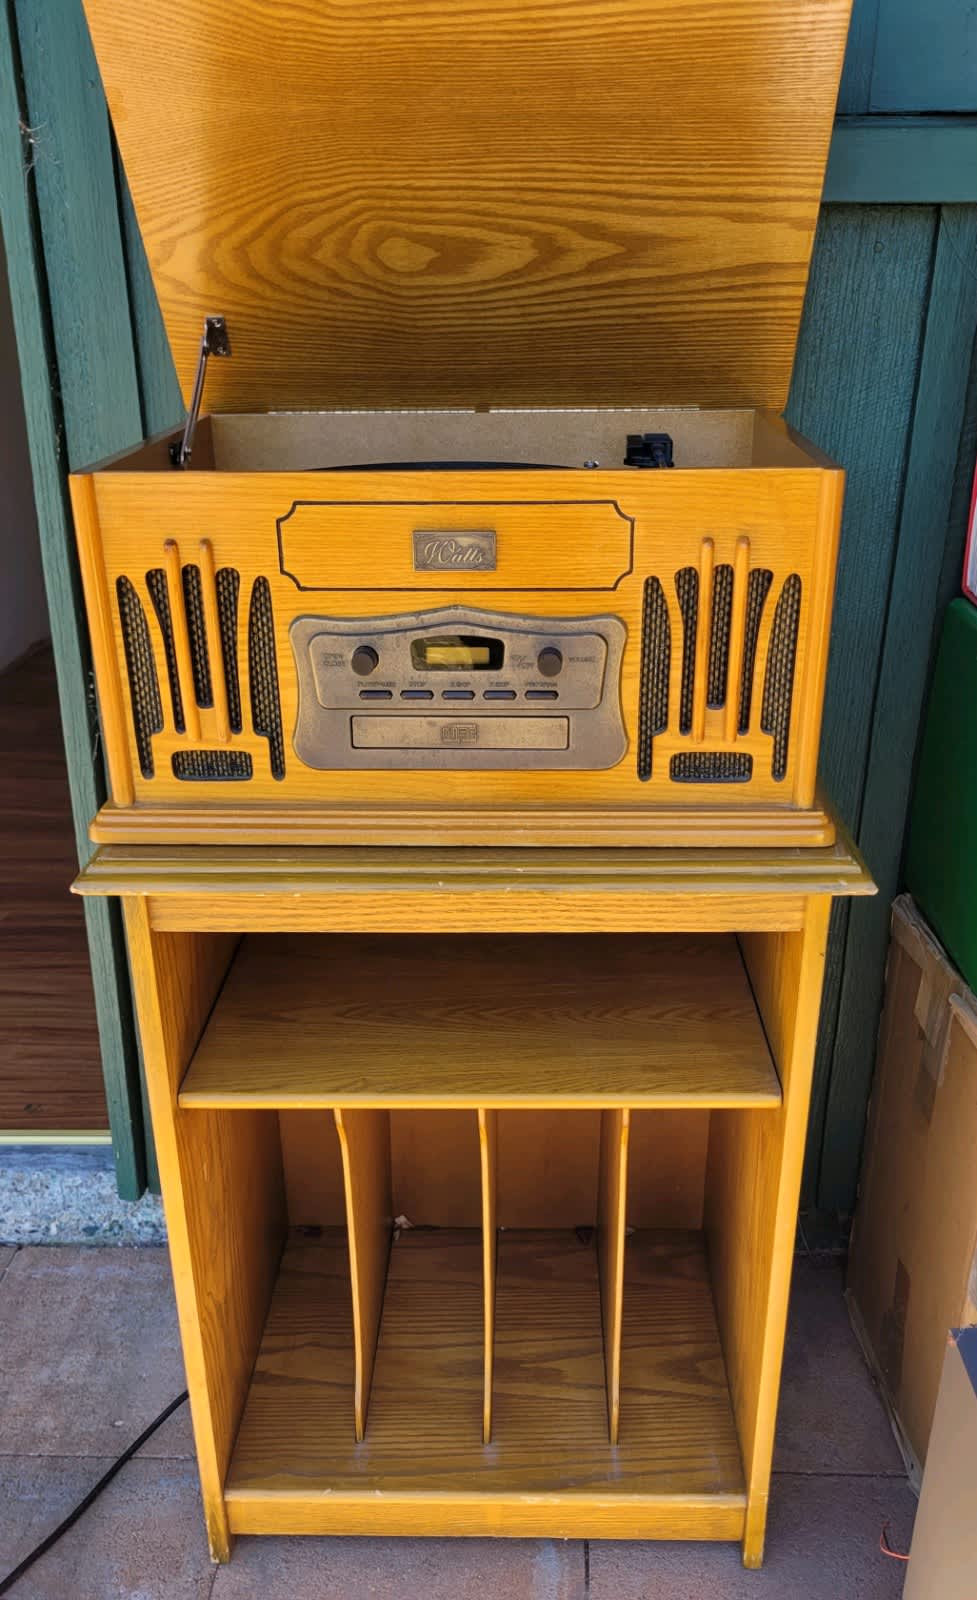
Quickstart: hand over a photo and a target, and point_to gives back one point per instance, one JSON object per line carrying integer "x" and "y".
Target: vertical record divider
{"x": 364, "y": 1139}
{"x": 612, "y": 1188}
{"x": 488, "y": 1145}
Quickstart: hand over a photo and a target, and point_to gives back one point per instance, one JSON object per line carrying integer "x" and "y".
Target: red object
{"x": 970, "y": 559}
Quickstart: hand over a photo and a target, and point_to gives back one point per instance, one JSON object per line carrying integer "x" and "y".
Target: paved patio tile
{"x": 7, "y": 1254}
{"x": 822, "y": 1544}
{"x": 89, "y": 1352}
{"x": 143, "y": 1538}
{"x": 403, "y": 1569}
{"x": 831, "y": 1418}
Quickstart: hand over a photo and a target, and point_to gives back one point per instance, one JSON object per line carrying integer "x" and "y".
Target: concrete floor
{"x": 89, "y": 1354}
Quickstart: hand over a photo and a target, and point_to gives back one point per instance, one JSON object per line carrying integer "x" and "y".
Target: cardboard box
{"x": 912, "y": 1272}
{"x": 943, "y": 1558}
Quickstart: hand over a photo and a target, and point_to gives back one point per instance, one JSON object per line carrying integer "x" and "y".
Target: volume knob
{"x": 365, "y": 660}
{"x": 549, "y": 662}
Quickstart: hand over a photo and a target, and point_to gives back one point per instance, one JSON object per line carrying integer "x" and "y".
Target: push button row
{"x": 458, "y": 694}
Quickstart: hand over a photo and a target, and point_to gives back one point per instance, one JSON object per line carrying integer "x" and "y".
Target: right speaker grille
{"x": 778, "y": 683}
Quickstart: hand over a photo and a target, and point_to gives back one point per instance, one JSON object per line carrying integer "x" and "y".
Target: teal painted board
{"x": 902, "y": 161}
{"x": 852, "y": 394}
{"x": 925, "y": 56}
{"x": 941, "y": 858}
{"x": 854, "y": 93}
{"x": 77, "y": 203}
{"x": 19, "y": 157}
{"x": 924, "y": 529}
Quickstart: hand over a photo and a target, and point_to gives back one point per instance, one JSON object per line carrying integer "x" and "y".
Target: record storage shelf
{"x": 559, "y": 1348}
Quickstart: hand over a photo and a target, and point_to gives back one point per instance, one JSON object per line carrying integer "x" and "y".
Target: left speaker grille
{"x": 156, "y": 584}
{"x": 144, "y": 696}
{"x": 656, "y": 660}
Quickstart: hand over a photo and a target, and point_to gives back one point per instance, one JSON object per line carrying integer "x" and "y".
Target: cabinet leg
{"x": 755, "y": 1532}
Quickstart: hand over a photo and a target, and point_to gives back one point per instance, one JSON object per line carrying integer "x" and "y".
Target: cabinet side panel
{"x": 221, "y": 1180}
{"x": 752, "y": 1187}
{"x": 91, "y": 560}
{"x": 811, "y": 697}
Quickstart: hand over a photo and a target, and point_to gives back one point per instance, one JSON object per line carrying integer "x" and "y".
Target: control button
{"x": 498, "y": 694}
{"x": 549, "y": 662}
{"x": 542, "y": 694}
{"x": 457, "y": 694}
{"x": 365, "y": 660}
{"x": 376, "y": 694}
{"x": 417, "y": 694}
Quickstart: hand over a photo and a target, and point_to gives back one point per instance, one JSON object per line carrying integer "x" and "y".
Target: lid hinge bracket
{"x": 215, "y": 342}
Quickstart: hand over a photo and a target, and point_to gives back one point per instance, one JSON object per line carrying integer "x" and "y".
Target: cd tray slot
{"x": 453, "y": 733}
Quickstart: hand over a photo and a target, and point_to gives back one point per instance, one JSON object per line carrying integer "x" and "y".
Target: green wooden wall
{"x": 884, "y": 380}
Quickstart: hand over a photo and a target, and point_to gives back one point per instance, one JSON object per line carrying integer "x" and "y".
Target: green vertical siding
{"x": 54, "y": 361}
{"x": 884, "y": 380}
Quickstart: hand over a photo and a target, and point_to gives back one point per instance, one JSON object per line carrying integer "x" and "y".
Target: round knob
{"x": 549, "y": 662}
{"x": 365, "y": 660}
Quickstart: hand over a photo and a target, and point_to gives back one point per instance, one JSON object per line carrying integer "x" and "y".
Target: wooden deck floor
{"x": 50, "y": 1070}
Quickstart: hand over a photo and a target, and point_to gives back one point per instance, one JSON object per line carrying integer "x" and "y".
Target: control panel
{"x": 459, "y": 687}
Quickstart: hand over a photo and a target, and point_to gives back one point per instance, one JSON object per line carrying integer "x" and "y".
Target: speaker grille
{"x": 757, "y": 590}
{"x": 208, "y": 766}
{"x": 266, "y": 710}
{"x": 228, "y": 590}
{"x": 778, "y": 686}
{"x": 687, "y": 590}
{"x": 156, "y": 584}
{"x": 144, "y": 697}
{"x": 711, "y": 766}
{"x": 656, "y": 660}
{"x": 196, "y": 627}
{"x": 722, "y": 613}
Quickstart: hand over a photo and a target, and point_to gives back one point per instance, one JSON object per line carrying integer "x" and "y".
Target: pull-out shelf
{"x": 456, "y": 1020}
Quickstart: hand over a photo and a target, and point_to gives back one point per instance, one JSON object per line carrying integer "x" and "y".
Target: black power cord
{"x": 7, "y": 1583}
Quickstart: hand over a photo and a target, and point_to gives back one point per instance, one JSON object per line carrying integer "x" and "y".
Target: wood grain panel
{"x": 728, "y": 874}
{"x": 788, "y": 514}
{"x": 752, "y": 1187}
{"x": 497, "y": 912}
{"x": 673, "y": 1377}
{"x": 313, "y": 1169}
{"x": 488, "y": 1145}
{"x": 223, "y": 1194}
{"x": 547, "y": 1168}
{"x": 364, "y": 1138}
{"x": 507, "y": 189}
{"x": 50, "y": 1068}
{"x": 676, "y": 1472}
{"x": 666, "y": 1168}
{"x": 435, "y": 1166}
{"x": 612, "y": 1189}
{"x": 486, "y": 1021}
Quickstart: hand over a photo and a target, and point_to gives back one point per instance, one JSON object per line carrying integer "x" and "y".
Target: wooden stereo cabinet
{"x": 591, "y": 1113}
{"x": 424, "y": 243}
{"x": 463, "y": 748}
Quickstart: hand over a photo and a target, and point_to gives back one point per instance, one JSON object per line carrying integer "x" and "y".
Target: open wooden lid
{"x": 501, "y": 202}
